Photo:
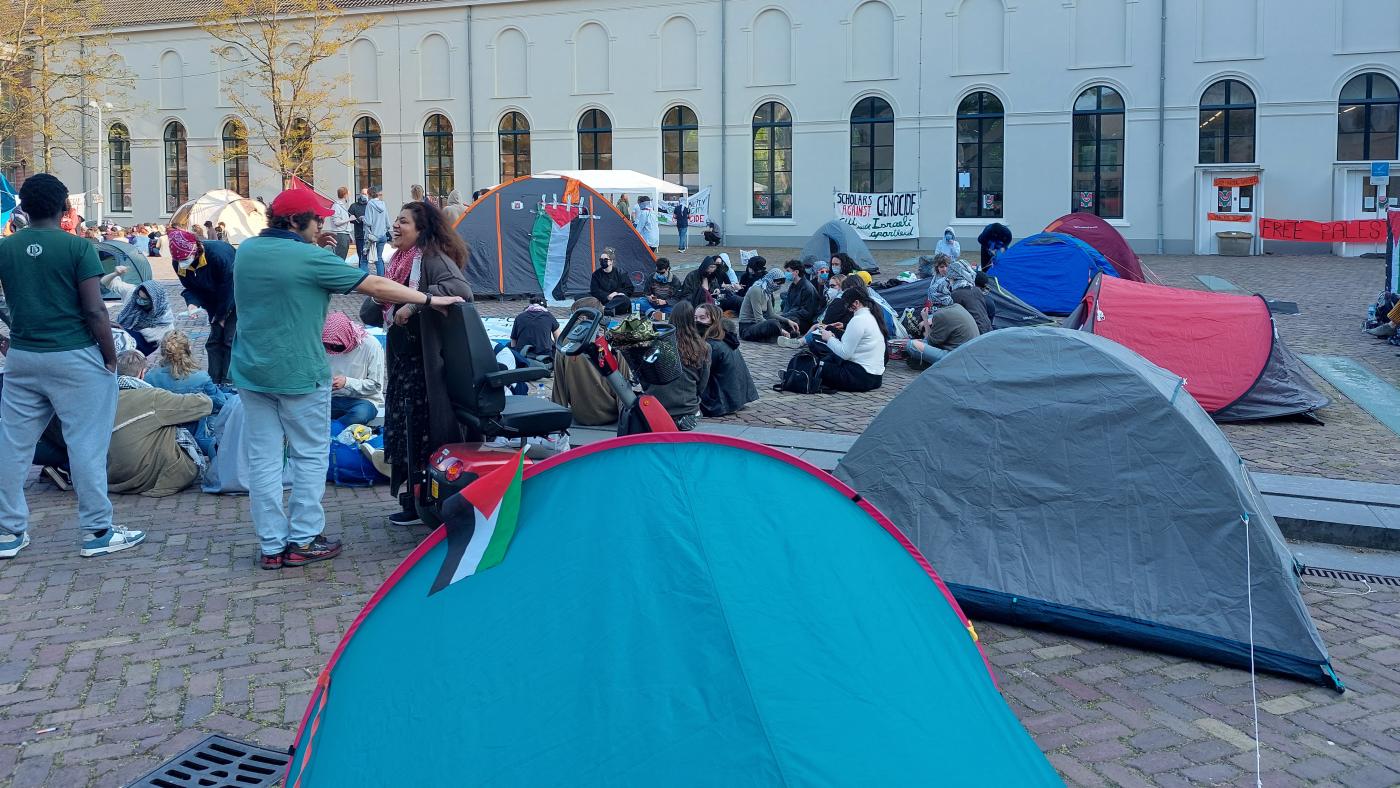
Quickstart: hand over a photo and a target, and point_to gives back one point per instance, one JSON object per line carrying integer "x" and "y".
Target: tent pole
{"x": 1162, "y": 133}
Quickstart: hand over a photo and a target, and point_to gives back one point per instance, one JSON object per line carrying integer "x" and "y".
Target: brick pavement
{"x": 131, "y": 658}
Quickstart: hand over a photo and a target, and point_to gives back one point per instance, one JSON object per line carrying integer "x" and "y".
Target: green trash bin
{"x": 1234, "y": 243}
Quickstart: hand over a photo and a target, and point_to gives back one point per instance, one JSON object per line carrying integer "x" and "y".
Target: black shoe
{"x": 405, "y": 518}
{"x": 318, "y": 549}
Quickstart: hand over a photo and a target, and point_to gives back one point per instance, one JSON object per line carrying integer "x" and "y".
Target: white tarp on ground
{"x": 242, "y": 217}
{"x": 628, "y": 182}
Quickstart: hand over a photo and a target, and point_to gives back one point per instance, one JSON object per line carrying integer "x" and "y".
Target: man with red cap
{"x": 283, "y": 280}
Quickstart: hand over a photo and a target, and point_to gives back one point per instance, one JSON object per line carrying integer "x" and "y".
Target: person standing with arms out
{"x": 339, "y": 224}
{"x": 61, "y": 361}
{"x": 681, "y": 213}
{"x": 283, "y": 282}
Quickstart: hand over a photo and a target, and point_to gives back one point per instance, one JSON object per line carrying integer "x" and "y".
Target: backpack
{"x": 349, "y": 466}
{"x": 803, "y": 374}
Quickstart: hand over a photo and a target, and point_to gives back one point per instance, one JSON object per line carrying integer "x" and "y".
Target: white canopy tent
{"x": 614, "y": 182}
{"x": 242, "y": 218}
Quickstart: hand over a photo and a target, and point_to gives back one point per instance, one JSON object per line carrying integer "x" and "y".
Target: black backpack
{"x": 803, "y": 374}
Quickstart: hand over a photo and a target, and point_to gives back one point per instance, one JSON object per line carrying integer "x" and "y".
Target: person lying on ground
{"x": 730, "y": 386}
{"x": 859, "y": 363}
{"x": 357, "y": 370}
{"x": 681, "y": 397}
{"x": 151, "y": 453}
{"x": 759, "y": 320}
{"x": 661, "y": 292}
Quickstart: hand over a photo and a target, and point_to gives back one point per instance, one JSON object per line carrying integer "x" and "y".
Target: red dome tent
{"x": 1223, "y": 346}
{"x": 1100, "y": 234}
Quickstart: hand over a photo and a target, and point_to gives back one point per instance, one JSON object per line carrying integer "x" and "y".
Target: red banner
{"x": 1226, "y": 183}
{"x": 1365, "y": 231}
{"x": 1228, "y": 217}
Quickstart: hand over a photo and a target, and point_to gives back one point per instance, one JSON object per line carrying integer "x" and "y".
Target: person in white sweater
{"x": 859, "y": 353}
{"x": 357, "y": 371}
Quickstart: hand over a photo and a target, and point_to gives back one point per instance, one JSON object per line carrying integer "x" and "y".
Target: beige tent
{"x": 242, "y": 217}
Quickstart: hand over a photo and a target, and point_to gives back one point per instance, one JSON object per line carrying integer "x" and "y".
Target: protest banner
{"x": 1364, "y": 231}
{"x": 699, "y": 204}
{"x": 879, "y": 217}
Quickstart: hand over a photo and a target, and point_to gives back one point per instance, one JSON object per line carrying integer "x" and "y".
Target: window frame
{"x": 177, "y": 165}
{"x": 118, "y": 168}
{"x": 1228, "y": 109}
{"x": 442, "y": 183}
{"x": 595, "y": 132}
{"x": 771, "y": 124}
{"x": 235, "y": 150}
{"x": 367, "y": 136}
{"x": 513, "y": 135}
{"x": 681, "y": 128}
{"x": 872, "y": 119}
{"x": 983, "y": 118}
{"x": 1368, "y": 105}
{"x": 1097, "y": 115}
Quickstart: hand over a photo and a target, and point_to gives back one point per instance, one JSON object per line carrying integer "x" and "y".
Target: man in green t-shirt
{"x": 61, "y": 362}
{"x": 282, "y": 281}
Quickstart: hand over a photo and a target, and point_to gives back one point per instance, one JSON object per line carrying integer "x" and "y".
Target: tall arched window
{"x": 177, "y": 167}
{"x": 514, "y": 137}
{"x": 369, "y": 154}
{"x": 981, "y": 156}
{"x": 118, "y": 168}
{"x": 1368, "y": 119}
{"x": 235, "y": 140}
{"x": 680, "y": 148}
{"x": 299, "y": 152}
{"x": 872, "y": 146}
{"x": 1097, "y": 153}
{"x": 595, "y": 141}
{"x": 437, "y": 157}
{"x": 1227, "y": 123}
{"x": 772, "y": 162}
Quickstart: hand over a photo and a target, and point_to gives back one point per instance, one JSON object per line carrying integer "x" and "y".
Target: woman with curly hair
{"x": 179, "y": 373}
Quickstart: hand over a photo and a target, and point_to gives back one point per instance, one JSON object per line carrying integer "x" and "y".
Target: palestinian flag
{"x": 321, "y": 199}
{"x": 552, "y": 240}
{"x": 480, "y": 523}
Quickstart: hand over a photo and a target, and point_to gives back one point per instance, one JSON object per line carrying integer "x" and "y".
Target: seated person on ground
{"x": 844, "y": 264}
{"x": 703, "y": 284}
{"x": 731, "y": 386}
{"x": 534, "y": 330}
{"x": 580, "y": 387}
{"x": 947, "y": 325}
{"x": 859, "y": 363}
{"x": 966, "y": 294}
{"x": 357, "y": 370}
{"x": 754, "y": 271}
{"x": 146, "y": 315}
{"x": 150, "y": 453}
{"x": 801, "y": 304}
{"x": 611, "y": 287}
{"x": 759, "y": 320}
{"x": 681, "y": 397}
{"x": 179, "y": 373}
{"x": 661, "y": 291}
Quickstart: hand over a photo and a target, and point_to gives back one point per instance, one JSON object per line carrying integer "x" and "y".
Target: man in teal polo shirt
{"x": 282, "y": 283}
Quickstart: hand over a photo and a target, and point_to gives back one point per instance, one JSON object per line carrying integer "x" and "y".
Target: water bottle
{"x": 540, "y": 392}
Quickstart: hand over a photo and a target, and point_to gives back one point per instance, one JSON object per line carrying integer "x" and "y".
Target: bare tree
{"x": 273, "y": 61}
{"x": 51, "y": 66}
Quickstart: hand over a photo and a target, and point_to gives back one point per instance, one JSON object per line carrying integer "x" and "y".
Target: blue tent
{"x": 1050, "y": 271}
{"x": 750, "y": 638}
{"x": 9, "y": 200}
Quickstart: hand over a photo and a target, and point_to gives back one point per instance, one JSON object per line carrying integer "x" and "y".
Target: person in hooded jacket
{"x": 454, "y": 207}
{"x": 730, "y": 386}
{"x": 948, "y": 244}
{"x": 754, "y": 271}
{"x": 681, "y": 397}
{"x": 661, "y": 292}
{"x": 205, "y": 270}
{"x": 610, "y": 286}
{"x": 759, "y": 320}
{"x": 702, "y": 284}
{"x": 146, "y": 316}
{"x": 993, "y": 240}
{"x": 801, "y": 303}
{"x": 963, "y": 283}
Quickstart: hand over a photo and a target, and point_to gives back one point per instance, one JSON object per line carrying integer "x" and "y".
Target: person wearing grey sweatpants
{"x": 77, "y": 387}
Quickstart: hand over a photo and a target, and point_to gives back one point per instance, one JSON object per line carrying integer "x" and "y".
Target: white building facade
{"x": 1160, "y": 115}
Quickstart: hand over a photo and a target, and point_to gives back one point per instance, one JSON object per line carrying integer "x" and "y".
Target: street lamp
{"x": 99, "y": 107}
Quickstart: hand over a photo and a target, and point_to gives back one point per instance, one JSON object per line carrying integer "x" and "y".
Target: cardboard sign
{"x": 1231, "y": 183}
{"x": 879, "y": 217}
{"x": 1362, "y": 231}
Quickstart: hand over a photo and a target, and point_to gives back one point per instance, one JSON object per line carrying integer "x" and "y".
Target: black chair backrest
{"x": 467, "y": 356}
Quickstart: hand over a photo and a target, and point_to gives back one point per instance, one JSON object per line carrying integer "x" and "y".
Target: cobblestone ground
{"x": 108, "y": 666}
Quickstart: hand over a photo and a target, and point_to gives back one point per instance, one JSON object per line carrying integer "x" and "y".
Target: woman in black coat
{"x": 731, "y": 386}
{"x": 610, "y": 286}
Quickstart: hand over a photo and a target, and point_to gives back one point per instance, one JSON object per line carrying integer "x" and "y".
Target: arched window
{"x": 772, "y": 162}
{"x": 514, "y": 137}
{"x": 981, "y": 156}
{"x": 872, "y": 146}
{"x": 177, "y": 167}
{"x": 1227, "y": 123}
{"x": 235, "y": 139}
{"x": 299, "y": 152}
{"x": 680, "y": 148}
{"x": 118, "y": 168}
{"x": 595, "y": 141}
{"x": 1368, "y": 118}
{"x": 9, "y": 158}
{"x": 369, "y": 154}
{"x": 437, "y": 157}
{"x": 1097, "y": 153}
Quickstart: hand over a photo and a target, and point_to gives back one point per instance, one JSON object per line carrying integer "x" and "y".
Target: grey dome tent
{"x": 115, "y": 253}
{"x": 837, "y": 236}
{"x": 1059, "y": 480}
{"x": 1011, "y": 312}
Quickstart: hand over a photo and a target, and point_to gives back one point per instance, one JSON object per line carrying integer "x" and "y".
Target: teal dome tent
{"x": 673, "y": 609}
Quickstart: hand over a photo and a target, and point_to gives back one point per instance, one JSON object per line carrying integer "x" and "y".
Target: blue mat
{"x": 1373, "y": 395}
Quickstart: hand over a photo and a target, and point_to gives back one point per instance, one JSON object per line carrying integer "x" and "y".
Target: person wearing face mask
{"x": 146, "y": 315}
{"x": 730, "y": 386}
{"x": 948, "y": 244}
{"x": 759, "y": 320}
{"x": 610, "y": 286}
{"x": 701, "y": 284}
{"x": 801, "y": 302}
{"x": 662, "y": 291}
{"x": 646, "y": 223}
{"x": 205, "y": 270}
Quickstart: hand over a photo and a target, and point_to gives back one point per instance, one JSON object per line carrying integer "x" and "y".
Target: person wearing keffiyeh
{"x": 357, "y": 371}
{"x": 146, "y": 316}
{"x": 947, "y": 324}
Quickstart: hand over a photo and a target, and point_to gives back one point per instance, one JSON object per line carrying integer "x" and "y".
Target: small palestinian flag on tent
{"x": 480, "y": 523}
{"x": 543, "y": 235}
{"x": 297, "y": 183}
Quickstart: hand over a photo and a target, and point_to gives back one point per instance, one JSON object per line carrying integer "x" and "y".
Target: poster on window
{"x": 1225, "y": 198}
{"x": 699, "y": 204}
{"x": 880, "y": 217}
{"x": 1086, "y": 201}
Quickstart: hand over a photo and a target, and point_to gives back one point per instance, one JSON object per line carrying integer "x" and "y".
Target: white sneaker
{"x": 792, "y": 342}
{"x": 116, "y": 539}
{"x": 10, "y": 545}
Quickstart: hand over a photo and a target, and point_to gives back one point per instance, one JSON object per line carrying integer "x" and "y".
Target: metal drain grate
{"x": 218, "y": 762}
{"x": 1355, "y": 577}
